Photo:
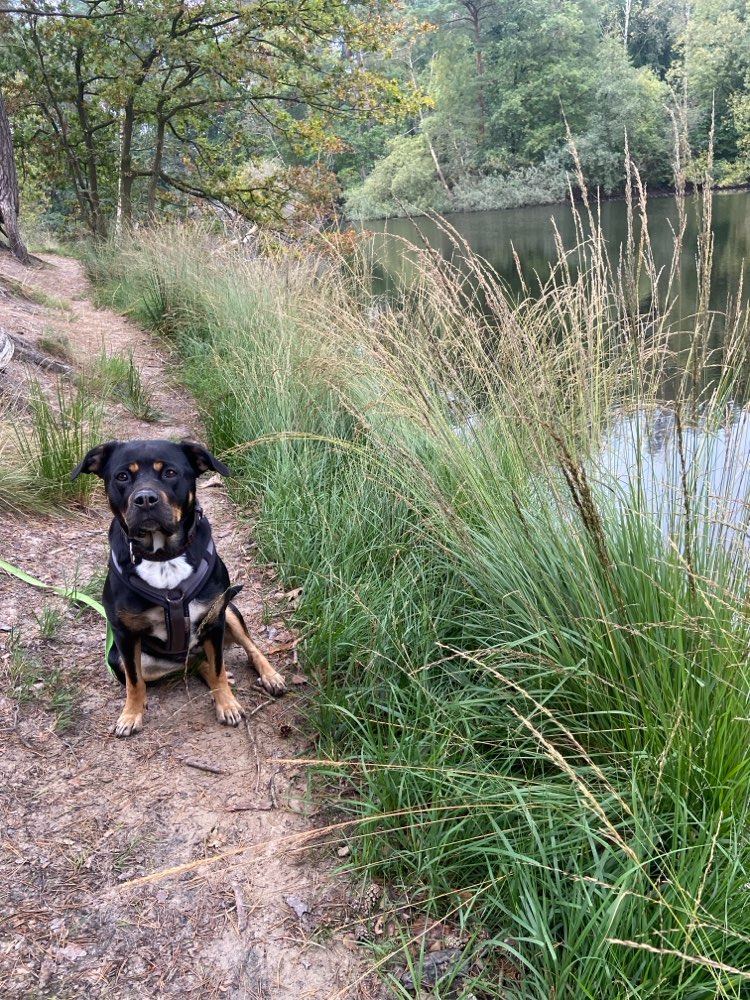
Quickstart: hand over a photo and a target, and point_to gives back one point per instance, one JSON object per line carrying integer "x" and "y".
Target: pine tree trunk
{"x": 156, "y": 169}
{"x": 9, "y": 189}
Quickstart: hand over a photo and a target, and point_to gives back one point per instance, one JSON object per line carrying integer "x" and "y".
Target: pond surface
{"x": 641, "y": 448}
{"x": 493, "y": 235}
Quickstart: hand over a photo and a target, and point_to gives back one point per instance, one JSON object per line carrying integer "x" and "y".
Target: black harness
{"x": 174, "y": 601}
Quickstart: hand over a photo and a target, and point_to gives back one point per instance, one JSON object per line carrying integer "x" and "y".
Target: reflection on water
{"x": 643, "y": 453}
{"x": 530, "y": 231}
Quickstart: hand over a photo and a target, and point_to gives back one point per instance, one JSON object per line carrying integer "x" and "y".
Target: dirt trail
{"x": 82, "y": 813}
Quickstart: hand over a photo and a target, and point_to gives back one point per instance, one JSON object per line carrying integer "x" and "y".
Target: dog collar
{"x": 174, "y": 600}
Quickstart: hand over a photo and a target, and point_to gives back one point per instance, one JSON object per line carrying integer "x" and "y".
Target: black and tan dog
{"x": 167, "y": 592}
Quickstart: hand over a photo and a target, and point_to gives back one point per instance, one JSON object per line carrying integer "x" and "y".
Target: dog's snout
{"x": 146, "y": 499}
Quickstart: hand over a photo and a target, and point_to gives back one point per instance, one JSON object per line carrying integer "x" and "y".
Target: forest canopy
{"x": 505, "y": 79}
{"x": 123, "y": 112}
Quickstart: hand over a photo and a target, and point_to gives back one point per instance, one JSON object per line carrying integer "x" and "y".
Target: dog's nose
{"x": 145, "y": 499}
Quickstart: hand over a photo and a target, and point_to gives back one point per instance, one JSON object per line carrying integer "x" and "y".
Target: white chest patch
{"x": 164, "y": 575}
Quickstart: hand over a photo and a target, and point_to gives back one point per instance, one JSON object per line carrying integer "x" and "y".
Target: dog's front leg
{"x": 131, "y": 717}
{"x": 229, "y": 712}
{"x": 271, "y": 679}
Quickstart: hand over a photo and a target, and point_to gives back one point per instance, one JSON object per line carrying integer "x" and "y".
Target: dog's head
{"x": 150, "y": 484}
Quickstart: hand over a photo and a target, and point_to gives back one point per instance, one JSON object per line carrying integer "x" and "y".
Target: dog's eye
{"x": 122, "y": 477}
{"x": 170, "y": 473}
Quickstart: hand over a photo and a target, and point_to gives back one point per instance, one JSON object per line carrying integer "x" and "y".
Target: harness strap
{"x": 174, "y": 601}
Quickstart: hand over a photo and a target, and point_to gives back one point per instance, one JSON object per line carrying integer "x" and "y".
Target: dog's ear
{"x": 202, "y": 460}
{"x": 95, "y": 461}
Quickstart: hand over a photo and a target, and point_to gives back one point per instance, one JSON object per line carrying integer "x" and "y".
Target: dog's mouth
{"x": 141, "y": 527}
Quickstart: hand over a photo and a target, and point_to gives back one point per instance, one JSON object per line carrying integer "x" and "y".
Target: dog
{"x": 167, "y": 594}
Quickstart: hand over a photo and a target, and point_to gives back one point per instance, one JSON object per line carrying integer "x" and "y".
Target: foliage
{"x": 171, "y": 100}
{"x": 508, "y": 85}
{"x": 269, "y": 109}
{"x": 540, "y": 184}
{"x": 532, "y": 691}
{"x": 404, "y": 181}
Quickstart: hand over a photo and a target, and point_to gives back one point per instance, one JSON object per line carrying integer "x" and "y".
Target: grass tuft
{"x": 524, "y": 583}
{"x": 62, "y": 429}
{"x": 117, "y": 377}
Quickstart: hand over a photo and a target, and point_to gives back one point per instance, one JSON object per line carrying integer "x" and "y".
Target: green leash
{"x": 69, "y": 593}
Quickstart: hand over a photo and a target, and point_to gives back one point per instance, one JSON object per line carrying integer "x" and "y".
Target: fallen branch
{"x": 25, "y": 352}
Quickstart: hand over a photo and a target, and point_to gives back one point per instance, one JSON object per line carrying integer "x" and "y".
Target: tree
{"x": 177, "y": 100}
{"x": 9, "y": 206}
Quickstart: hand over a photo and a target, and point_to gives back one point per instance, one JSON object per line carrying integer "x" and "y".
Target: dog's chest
{"x": 164, "y": 575}
{"x": 167, "y": 576}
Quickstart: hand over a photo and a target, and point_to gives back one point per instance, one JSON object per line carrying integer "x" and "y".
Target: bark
{"x": 88, "y": 139}
{"x": 153, "y": 183}
{"x": 125, "y": 212}
{"x": 475, "y": 13}
{"x": 9, "y": 203}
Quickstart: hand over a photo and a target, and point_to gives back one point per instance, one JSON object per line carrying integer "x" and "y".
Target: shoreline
{"x": 653, "y": 193}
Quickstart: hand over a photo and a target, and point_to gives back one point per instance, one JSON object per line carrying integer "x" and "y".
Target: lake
{"x": 493, "y": 235}
{"x": 639, "y": 446}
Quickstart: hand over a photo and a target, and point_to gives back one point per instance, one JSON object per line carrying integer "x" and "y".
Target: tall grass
{"x": 61, "y": 427}
{"x": 532, "y": 671}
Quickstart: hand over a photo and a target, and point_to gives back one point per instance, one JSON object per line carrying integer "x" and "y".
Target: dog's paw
{"x": 229, "y": 712}
{"x": 272, "y": 681}
{"x": 129, "y": 724}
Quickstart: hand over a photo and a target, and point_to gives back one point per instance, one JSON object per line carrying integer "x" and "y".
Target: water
{"x": 493, "y": 235}
{"x": 644, "y": 450}
{"x": 641, "y": 448}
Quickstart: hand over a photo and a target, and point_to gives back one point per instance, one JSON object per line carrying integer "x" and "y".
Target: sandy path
{"x": 82, "y": 814}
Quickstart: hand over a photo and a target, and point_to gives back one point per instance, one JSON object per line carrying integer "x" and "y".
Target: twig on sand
{"x": 240, "y": 908}
{"x": 258, "y": 707}
{"x": 254, "y": 744}
{"x": 199, "y": 765}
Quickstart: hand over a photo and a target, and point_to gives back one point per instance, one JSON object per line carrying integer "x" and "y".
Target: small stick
{"x": 254, "y": 744}
{"x": 200, "y": 766}
{"x": 241, "y": 909}
{"x": 258, "y": 707}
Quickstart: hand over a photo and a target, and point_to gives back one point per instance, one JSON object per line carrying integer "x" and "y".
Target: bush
{"x": 403, "y": 182}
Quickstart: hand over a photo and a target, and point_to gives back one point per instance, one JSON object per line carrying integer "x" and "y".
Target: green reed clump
{"x": 61, "y": 429}
{"x": 118, "y": 377}
{"x": 534, "y": 676}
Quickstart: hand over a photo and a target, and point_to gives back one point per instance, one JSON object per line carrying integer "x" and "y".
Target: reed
{"x": 531, "y": 659}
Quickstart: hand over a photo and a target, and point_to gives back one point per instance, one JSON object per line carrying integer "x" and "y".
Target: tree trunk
{"x": 88, "y": 139}
{"x": 156, "y": 168}
{"x": 9, "y": 204}
{"x": 126, "y": 165}
{"x": 475, "y": 13}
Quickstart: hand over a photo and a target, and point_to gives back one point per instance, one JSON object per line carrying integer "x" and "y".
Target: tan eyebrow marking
{"x": 133, "y": 466}
{"x": 158, "y": 466}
